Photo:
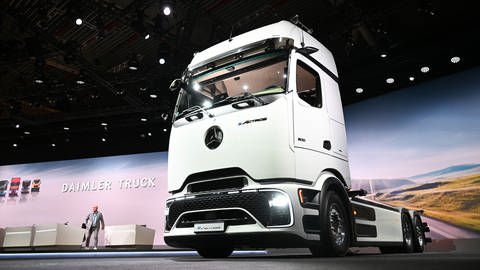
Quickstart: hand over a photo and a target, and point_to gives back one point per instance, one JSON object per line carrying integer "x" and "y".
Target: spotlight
{"x": 14, "y": 145}
{"x": 53, "y": 145}
{"x": 17, "y": 126}
{"x": 147, "y": 36}
{"x": 196, "y": 86}
{"x": 411, "y": 78}
{"x": 78, "y": 21}
{"x": 38, "y": 81}
{"x": 133, "y": 64}
{"x": 104, "y": 124}
{"x": 455, "y": 59}
{"x": 425, "y": 69}
{"x": 390, "y": 80}
{"x": 207, "y": 104}
{"x": 153, "y": 96}
{"x": 26, "y": 132}
{"x": 383, "y": 55}
{"x": 104, "y": 140}
{"x": 167, "y": 11}
{"x": 164, "y": 130}
{"x": 143, "y": 119}
{"x": 162, "y": 61}
{"x": 359, "y": 90}
{"x": 80, "y": 81}
{"x": 149, "y": 134}
{"x": 66, "y": 128}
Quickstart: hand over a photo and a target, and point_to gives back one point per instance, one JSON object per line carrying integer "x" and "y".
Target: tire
{"x": 335, "y": 229}
{"x": 215, "y": 252}
{"x": 408, "y": 239}
{"x": 419, "y": 235}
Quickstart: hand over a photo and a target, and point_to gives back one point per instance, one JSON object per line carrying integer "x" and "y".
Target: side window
{"x": 308, "y": 85}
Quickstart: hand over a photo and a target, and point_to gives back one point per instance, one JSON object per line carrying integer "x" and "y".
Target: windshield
{"x": 252, "y": 77}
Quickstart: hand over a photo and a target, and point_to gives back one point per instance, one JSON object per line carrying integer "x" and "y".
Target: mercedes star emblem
{"x": 213, "y": 137}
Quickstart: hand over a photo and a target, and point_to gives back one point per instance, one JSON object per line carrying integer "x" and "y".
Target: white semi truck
{"x": 258, "y": 154}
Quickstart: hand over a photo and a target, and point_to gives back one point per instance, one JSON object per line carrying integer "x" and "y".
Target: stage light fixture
{"x": 39, "y": 81}
{"x": 26, "y": 132}
{"x": 390, "y": 80}
{"x": 164, "y": 130}
{"x": 17, "y": 126}
{"x": 149, "y": 134}
{"x": 167, "y": 10}
{"x": 425, "y": 69}
{"x": 455, "y": 59}
{"x": 53, "y": 145}
{"x": 143, "y": 119}
{"x": 153, "y": 96}
{"x": 104, "y": 124}
{"x": 411, "y": 78}
{"x": 359, "y": 90}
{"x": 80, "y": 81}
{"x": 78, "y": 21}
{"x": 147, "y": 36}
{"x": 66, "y": 128}
{"x": 383, "y": 55}
{"x": 104, "y": 140}
{"x": 162, "y": 61}
{"x": 133, "y": 64}
{"x": 14, "y": 145}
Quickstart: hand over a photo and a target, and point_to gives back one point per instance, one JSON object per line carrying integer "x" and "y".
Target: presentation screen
{"x": 129, "y": 189}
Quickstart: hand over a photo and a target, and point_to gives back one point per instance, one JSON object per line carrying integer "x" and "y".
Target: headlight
{"x": 280, "y": 209}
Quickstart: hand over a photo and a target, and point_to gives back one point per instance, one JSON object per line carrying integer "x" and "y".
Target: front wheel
{"x": 335, "y": 228}
{"x": 215, "y": 252}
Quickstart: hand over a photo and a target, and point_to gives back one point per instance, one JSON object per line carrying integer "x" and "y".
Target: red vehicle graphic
{"x": 14, "y": 186}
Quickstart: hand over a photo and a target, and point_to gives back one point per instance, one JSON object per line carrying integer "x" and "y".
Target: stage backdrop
{"x": 129, "y": 189}
{"x": 420, "y": 148}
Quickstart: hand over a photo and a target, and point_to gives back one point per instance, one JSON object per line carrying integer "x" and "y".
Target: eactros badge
{"x": 213, "y": 137}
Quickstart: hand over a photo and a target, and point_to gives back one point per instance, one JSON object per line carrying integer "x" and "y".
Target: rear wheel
{"x": 408, "y": 240}
{"x": 419, "y": 234}
{"x": 335, "y": 228}
{"x": 215, "y": 252}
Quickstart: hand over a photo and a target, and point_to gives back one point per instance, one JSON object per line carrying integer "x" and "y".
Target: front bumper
{"x": 262, "y": 217}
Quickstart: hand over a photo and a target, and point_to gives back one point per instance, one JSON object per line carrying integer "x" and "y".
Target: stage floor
{"x": 279, "y": 259}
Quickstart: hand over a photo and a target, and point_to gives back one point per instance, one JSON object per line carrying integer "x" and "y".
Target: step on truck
{"x": 258, "y": 154}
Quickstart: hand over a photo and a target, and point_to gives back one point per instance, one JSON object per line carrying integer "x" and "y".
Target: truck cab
{"x": 258, "y": 149}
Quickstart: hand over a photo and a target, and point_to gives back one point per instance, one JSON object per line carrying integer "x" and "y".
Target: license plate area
{"x": 209, "y": 227}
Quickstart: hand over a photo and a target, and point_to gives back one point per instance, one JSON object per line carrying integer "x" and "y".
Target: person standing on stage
{"x": 93, "y": 222}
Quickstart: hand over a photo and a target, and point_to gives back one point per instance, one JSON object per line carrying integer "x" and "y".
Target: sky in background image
{"x": 422, "y": 128}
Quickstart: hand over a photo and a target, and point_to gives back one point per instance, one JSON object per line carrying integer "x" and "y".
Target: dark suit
{"x": 93, "y": 222}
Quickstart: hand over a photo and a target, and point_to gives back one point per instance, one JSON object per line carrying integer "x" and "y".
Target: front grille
{"x": 256, "y": 203}
{"x": 215, "y": 185}
{"x": 229, "y": 217}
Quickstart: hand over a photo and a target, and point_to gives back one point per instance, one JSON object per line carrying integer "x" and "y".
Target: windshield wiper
{"x": 194, "y": 109}
{"x": 245, "y": 95}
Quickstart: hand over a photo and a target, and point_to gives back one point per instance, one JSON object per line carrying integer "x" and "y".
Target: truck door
{"x": 310, "y": 118}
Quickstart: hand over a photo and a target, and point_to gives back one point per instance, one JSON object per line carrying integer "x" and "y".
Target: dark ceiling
{"x": 46, "y": 114}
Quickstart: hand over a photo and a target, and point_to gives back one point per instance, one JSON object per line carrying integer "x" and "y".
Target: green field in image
{"x": 456, "y": 201}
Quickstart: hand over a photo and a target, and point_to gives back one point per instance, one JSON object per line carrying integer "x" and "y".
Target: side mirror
{"x": 176, "y": 85}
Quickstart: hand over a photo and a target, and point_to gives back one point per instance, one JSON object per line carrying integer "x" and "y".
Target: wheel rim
{"x": 337, "y": 224}
{"x": 419, "y": 233}
{"x": 407, "y": 233}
